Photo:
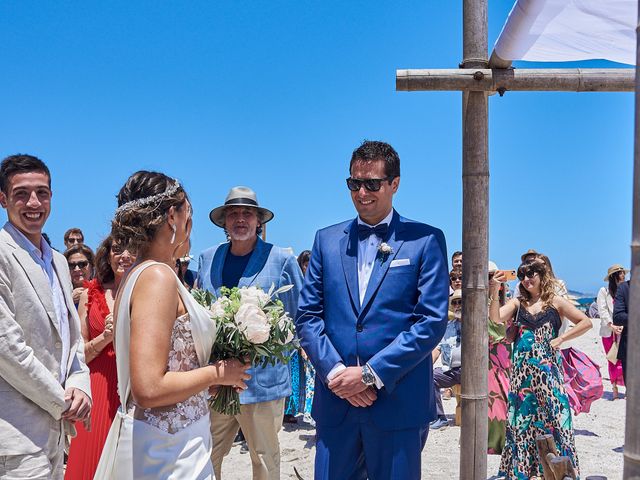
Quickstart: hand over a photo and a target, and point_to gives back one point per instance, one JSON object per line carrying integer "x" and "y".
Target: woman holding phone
{"x": 538, "y": 403}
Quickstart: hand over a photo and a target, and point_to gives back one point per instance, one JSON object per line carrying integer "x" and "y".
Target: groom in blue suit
{"x": 372, "y": 308}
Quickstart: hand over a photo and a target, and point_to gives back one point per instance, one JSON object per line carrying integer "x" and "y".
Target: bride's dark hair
{"x": 137, "y": 223}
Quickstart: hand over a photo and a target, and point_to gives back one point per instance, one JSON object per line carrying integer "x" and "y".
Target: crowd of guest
{"x": 537, "y": 380}
{"x": 95, "y": 280}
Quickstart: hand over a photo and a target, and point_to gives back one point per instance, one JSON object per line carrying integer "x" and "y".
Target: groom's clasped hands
{"x": 348, "y": 385}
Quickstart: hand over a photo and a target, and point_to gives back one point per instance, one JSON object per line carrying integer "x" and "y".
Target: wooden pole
{"x": 475, "y": 224}
{"x": 501, "y": 80}
{"x": 632, "y": 367}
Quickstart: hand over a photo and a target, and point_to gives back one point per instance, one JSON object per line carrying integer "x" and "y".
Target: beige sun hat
{"x": 531, "y": 251}
{"x": 457, "y": 294}
{"x": 240, "y": 197}
{"x": 614, "y": 269}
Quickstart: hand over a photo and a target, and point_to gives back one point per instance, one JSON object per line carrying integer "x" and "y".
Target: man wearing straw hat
{"x": 246, "y": 260}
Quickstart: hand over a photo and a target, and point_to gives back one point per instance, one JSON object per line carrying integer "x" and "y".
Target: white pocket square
{"x": 400, "y": 262}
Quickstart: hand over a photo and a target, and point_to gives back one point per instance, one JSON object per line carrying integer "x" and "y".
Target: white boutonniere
{"x": 384, "y": 250}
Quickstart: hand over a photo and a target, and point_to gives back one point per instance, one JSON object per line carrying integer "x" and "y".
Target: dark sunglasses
{"x": 528, "y": 274}
{"x": 118, "y": 249}
{"x": 456, "y": 302}
{"x": 371, "y": 184}
{"x": 81, "y": 265}
{"x": 455, "y": 279}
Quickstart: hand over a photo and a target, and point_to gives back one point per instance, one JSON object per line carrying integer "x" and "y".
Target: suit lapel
{"x": 349, "y": 255}
{"x": 38, "y": 279}
{"x": 256, "y": 263}
{"x": 58, "y": 266}
{"x": 381, "y": 265}
{"x": 217, "y": 264}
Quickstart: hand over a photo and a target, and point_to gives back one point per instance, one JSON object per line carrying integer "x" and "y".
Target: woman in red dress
{"x": 96, "y": 320}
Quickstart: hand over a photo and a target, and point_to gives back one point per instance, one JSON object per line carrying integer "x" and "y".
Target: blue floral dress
{"x": 538, "y": 402}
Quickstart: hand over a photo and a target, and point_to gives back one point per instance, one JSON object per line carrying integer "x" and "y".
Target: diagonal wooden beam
{"x": 501, "y": 80}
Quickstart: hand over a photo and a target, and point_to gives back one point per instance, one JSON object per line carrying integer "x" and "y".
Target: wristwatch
{"x": 367, "y": 376}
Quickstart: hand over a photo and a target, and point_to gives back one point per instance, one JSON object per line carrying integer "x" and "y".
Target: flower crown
{"x": 141, "y": 202}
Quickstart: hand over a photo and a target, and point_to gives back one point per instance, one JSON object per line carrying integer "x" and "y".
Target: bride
{"x": 162, "y": 342}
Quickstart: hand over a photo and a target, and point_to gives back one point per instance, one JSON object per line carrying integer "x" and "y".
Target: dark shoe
{"x": 239, "y": 438}
{"x": 439, "y": 423}
{"x": 289, "y": 419}
{"x": 244, "y": 448}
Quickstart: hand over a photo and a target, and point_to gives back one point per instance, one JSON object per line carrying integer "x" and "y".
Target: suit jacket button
{"x": 359, "y": 327}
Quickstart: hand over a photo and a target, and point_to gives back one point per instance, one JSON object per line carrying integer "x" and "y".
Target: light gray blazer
{"x": 31, "y": 396}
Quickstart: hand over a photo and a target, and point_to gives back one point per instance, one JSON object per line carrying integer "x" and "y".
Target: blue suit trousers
{"x": 357, "y": 450}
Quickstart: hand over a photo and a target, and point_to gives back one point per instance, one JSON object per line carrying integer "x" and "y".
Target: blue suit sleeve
{"x": 310, "y": 324}
{"x": 411, "y": 347}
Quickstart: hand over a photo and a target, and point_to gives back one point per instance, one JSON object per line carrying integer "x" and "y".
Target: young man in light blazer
{"x": 44, "y": 381}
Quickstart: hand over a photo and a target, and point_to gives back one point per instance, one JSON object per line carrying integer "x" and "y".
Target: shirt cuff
{"x": 335, "y": 370}
{"x": 379, "y": 383}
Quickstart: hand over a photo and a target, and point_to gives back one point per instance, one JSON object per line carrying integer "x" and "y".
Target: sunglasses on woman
{"x": 118, "y": 249}
{"x": 370, "y": 184}
{"x": 81, "y": 265}
{"x": 528, "y": 274}
{"x": 456, "y": 302}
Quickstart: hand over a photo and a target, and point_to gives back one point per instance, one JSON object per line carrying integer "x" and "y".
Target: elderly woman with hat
{"x": 609, "y": 332}
{"x": 246, "y": 260}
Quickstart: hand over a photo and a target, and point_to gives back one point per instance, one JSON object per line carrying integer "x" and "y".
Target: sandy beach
{"x": 599, "y": 438}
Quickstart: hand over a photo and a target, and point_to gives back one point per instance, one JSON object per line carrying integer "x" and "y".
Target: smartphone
{"x": 509, "y": 274}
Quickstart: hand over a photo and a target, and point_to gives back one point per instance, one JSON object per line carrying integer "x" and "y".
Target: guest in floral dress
{"x": 538, "y": 403}
{"x": 498, "y": 377}
{"x": 309, "y": 371}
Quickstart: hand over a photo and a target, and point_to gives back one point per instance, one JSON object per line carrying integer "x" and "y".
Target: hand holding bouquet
{"x": 252, "y": 326}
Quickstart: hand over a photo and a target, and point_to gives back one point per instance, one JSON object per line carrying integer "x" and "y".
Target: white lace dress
{"x": 182, "y": 358}
{"x": 164, "y": 443}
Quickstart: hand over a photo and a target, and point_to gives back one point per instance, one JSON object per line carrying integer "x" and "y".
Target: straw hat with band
{"x": 615, "y": 269}
{"x": 527, "y": 253}
{"x": 240, "y": 197}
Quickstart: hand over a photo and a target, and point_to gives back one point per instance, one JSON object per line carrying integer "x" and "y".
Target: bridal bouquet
{"x": 251, "y": 326}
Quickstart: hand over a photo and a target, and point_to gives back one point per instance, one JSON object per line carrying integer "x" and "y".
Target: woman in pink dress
{"x": 609, "y": 332}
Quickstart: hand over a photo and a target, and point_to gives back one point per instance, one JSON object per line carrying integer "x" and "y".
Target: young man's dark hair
{"x": 456, "y": 254}
{"x": 20, "y": 163}
{"x": 372, "y": 151}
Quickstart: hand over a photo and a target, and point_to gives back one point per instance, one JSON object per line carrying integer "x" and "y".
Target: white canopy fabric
{"x": 567, "y": 30}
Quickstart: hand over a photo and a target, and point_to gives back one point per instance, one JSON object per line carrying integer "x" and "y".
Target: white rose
{"x": 284, "y": 324}
{"x": 217, "y": 309}
{"x": 253, "y": 322}
{"x": 253, "y": 296}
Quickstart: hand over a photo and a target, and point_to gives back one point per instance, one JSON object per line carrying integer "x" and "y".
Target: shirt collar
{"x": 44, "y": 252}
{"x": 386, "y": 220}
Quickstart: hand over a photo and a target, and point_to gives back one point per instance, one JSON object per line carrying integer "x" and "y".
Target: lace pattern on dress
{"x": 182, "y": 358}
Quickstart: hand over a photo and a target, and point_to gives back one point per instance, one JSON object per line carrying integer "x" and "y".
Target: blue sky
{"x": 275, "y": 95}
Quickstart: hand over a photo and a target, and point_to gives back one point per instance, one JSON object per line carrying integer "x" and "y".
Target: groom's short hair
{"x": 20, "y": 163}
{"x": 373, "y": 151}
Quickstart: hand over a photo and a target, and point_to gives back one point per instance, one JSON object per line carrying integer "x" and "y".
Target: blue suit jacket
{"x": 268, "y": 265}
{"x": 402, "y": 318}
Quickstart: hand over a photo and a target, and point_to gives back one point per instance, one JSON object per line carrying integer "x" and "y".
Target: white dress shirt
{"x": 367, "y": 254}
{"x": 43, "y": 256}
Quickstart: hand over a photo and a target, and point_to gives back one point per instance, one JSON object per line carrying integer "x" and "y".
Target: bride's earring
{"x": 173, "y": 237}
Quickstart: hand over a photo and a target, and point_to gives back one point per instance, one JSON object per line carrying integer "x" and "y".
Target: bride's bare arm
{"x": 155, "y": 305}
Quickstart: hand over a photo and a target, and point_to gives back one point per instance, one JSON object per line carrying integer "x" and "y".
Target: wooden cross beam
{"x": 501, "y": 80}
